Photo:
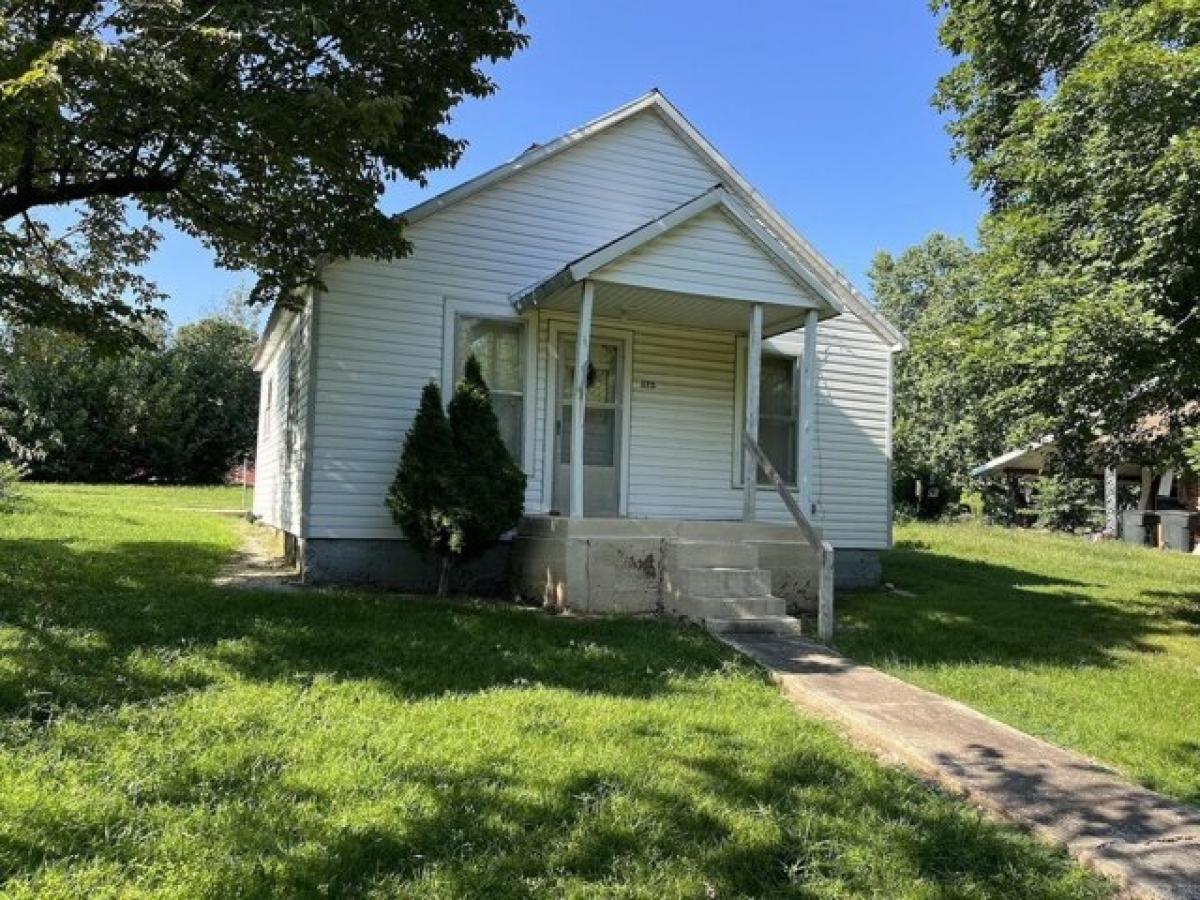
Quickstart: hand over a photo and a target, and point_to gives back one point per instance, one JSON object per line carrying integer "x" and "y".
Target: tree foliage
{"x": 266, "y": 130}
{"x": 1081, "y": 119}
{"x": 1065, "y": 502}
{"x": 457, "y": 489}
{"x": 930, "y": 291}
{"x": 181, "y": 407}
{"x": 203, "y": 403}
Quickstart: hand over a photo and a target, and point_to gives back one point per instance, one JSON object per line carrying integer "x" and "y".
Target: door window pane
{"x": 604, "y": 375}
{"x": 777, "y": 437}
{"x": 500, "y": 348}
{"x": 599, "y": 437}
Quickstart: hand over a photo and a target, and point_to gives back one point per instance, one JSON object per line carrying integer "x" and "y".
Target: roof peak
{"x": 655, "y": 100}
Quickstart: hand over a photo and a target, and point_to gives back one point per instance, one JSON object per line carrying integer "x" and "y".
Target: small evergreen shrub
{"x": 457, "y": 489}
{"x": 422, "y": 497}
{"x": 490, "y": 483}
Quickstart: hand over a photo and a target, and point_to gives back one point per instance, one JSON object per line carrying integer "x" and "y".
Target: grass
{"x": 1092, "y": 646}
{"x": 161, "y": 737}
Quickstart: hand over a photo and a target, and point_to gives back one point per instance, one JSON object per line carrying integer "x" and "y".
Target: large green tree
{"x": 203, "y": 402}
{"x": 931, "y": 292}
{"x": 265, "y": 129}
{"x": 179, "y": 407}
{"x": 1081, "y": 121}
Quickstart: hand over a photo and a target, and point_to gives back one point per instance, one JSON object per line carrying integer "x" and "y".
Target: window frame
{"x": 769, "y": 348}
{"x": 456, "y": 310}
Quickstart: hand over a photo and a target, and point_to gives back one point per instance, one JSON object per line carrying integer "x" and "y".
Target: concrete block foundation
{"x": 395, "y": 565}
{"x": 587, "y": 565}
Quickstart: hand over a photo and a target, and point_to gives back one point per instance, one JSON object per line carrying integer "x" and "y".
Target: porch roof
{"x": 1031, "y": 459}
{"x": 698, "y": 265}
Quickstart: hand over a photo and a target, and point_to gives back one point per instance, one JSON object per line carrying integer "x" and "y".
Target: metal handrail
{"x": 812, "y": 535}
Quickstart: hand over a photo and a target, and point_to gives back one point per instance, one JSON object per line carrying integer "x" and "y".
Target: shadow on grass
{"x": 968, "y": 611}
{"x": 726, "y": 816}
{"x": 142, "y": 620}
{"x": 811, "y": 822}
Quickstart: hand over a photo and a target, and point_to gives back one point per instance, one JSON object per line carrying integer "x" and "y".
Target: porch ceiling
{"x": 638, "y": 304}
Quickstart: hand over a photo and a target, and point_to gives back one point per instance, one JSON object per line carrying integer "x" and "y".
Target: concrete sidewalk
{"x": 1144, "y": 840}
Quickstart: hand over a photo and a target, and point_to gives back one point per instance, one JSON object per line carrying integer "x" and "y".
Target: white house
{"x": 630, "y": 250}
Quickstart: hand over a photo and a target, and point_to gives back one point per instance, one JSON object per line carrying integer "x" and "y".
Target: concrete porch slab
{"x": 1148, "y": 842}
{"x": 606, "y": 565}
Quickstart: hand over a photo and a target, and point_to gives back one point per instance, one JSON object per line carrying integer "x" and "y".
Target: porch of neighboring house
{"x": 1142, "y": 505}
{"x": 599, "y": 546}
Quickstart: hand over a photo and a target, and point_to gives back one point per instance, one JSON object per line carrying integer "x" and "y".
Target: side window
{"x": 292, "y": 398}
{"x": 499, "y": 345}
{"x": 778, "y": 416}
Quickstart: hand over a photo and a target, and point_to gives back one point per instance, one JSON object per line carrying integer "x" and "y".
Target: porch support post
{"x": 809, "y": 374}
{"x": 1147, "y": 483}
{"x": 583, "y": 345}
{"x": 1110, "y": 501}
{"x": 753, "y": 368}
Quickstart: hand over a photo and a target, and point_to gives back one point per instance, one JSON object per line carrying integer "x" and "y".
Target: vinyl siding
{"x": 381, "y": 324}
{"x": 282, "y": 427}
{"x": 381, "y": 332}
{"x": 709, "y": 255}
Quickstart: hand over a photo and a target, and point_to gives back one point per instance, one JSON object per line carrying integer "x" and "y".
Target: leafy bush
{"x": 183, "y": 408}
{"x": 1065, "y": 503}
{"x": 11, "y": 475}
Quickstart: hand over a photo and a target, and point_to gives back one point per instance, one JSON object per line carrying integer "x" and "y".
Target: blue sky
{"x": 823, "y": 106}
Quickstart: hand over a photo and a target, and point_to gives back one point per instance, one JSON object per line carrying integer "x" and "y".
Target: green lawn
{"x": 1092, "y": 646}
{"x": 159, "y": 736}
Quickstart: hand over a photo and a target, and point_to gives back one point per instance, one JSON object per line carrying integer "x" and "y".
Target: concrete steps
{"x": 718, "y": 584}
{"x": 724, "y": 582}
{"x": 754, "y": 625}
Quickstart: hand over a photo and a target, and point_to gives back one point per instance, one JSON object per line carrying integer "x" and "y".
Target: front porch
{"x": 708, "y": 268}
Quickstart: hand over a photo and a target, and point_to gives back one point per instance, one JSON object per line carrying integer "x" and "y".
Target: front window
{"x": 778, "y": 416}
{"x": 499, "y": 346}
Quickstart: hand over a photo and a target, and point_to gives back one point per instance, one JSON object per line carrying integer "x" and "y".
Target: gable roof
{"x": 833, "y": 283}
{"x": 641, "y": 239}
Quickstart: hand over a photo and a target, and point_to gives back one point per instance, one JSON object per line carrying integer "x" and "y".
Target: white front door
{"x": 603, "y": 423}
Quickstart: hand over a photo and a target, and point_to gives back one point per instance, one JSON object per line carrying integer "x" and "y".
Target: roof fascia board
{"x": 281, "y": 316}
{"x": 1003, "y": 459}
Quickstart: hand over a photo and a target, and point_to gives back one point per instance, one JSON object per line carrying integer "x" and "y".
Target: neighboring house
{"x": 1163, "y": 496}
{"x": 633, "y": 238}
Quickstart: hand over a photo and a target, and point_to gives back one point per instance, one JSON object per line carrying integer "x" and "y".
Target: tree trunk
{"x": 443, "y": 575}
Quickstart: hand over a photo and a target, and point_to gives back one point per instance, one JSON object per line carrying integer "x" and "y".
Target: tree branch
{"x": 24, "y": 199}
